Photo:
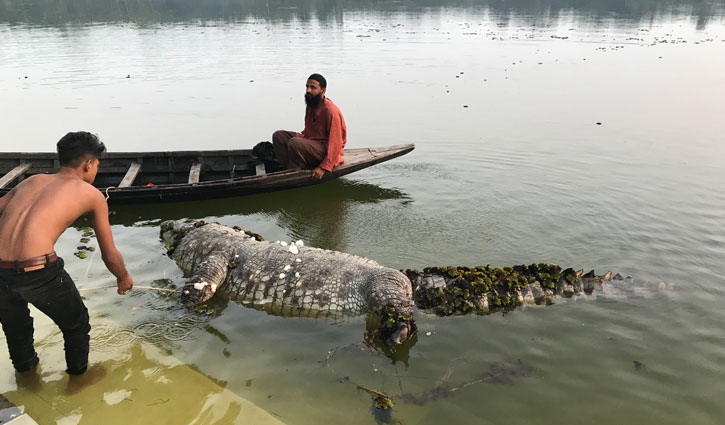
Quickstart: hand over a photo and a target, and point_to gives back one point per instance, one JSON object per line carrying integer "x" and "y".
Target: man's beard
{"x": 313, "y": 101}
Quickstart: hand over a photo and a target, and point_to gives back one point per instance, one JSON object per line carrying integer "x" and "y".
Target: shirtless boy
{"x": 32, "y": 217}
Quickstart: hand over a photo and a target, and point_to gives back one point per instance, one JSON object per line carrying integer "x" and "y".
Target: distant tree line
{"x": 58, "y": 12}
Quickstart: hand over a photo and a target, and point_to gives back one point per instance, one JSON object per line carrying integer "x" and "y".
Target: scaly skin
{"x": 296, "y": 280}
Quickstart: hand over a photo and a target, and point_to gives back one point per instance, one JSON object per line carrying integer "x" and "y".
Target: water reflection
{"x": 315, "y": 214}
{"x": 73, "y": 11}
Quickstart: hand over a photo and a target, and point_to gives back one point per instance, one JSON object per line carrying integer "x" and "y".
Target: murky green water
{"x": 502, "y": 101}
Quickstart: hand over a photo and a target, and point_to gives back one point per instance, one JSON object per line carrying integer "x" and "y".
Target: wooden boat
{"x": 133, "y": 177}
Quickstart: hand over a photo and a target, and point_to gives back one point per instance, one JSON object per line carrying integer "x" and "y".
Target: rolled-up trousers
{"x": 296, "y": 152}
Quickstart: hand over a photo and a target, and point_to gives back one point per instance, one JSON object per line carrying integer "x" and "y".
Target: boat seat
{"x": 131, "y": 174}
{"x": 14, "y": 174}
{"x": 194, "y": 172}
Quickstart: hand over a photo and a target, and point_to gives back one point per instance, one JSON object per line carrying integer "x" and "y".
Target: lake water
{"x": 589, "y": 136}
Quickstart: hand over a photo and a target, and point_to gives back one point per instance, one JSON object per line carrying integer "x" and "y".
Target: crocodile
{"x": 296, "y": 280}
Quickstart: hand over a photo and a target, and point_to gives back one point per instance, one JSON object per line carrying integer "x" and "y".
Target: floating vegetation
{"x": 86, "y": 237}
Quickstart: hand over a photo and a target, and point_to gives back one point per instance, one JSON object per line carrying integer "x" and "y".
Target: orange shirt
{"x": 325, "y": 122}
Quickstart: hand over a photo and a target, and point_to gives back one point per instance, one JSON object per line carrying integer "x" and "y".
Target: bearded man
{"x": 320, "y": 145}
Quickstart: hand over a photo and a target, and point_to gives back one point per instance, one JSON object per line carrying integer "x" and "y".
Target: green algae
{"x": 249, "y": 233}
{"x": 484, "y": 289}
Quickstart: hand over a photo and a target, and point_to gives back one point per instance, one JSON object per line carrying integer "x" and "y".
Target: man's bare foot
{"x": 91, "y": 376}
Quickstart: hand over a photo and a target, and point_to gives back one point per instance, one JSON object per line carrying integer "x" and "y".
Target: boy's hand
{"x": 124, "y": 284}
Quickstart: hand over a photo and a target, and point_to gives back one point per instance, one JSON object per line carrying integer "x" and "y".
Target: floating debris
{"x": 381, "y": 400}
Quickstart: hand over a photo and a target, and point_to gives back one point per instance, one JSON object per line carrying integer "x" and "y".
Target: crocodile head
{"x": 390, "y": 298}
{"x": 396, "y": 327}
{"x": 195, "y": 293}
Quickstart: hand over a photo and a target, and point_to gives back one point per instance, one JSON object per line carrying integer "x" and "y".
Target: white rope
{"x": 107, "y": 189}
{"x": 151, "y": 288}
{"x": 95, "y": 249}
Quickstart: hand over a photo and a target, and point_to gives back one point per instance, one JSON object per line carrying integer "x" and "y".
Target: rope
{"x": 135, "y": 287}
{"x": 95, "y": 250}
{"x": 107, "y": 189}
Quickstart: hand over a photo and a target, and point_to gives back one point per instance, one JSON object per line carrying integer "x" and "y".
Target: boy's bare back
{"x": 39, "y": 210}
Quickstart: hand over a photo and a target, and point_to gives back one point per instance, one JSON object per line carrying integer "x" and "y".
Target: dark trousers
{"x": 296, "y": 152}
{"x": 52, "y": 291}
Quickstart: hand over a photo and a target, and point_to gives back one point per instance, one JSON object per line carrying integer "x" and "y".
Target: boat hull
{"x": 155, "y": 176}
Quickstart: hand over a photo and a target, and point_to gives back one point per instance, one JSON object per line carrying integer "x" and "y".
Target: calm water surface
{"x": 591, "y": 137}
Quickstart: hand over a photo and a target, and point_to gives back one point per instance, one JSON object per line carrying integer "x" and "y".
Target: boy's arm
{"x": 5, "y": 200}
{"x": 109, "y": 253}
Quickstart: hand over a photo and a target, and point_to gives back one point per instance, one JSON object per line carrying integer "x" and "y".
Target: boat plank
{"x": 194, "y": 172}
{"x": 15, "y": 173}
{"x": 130, "y": 175}
{"x": 261, "y": 170}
